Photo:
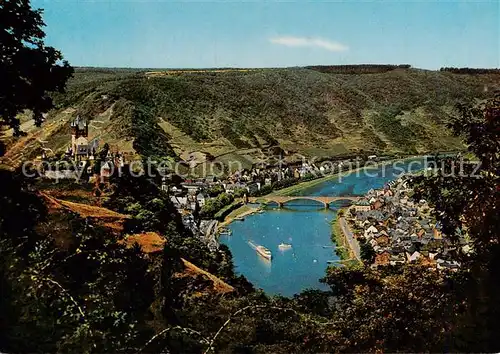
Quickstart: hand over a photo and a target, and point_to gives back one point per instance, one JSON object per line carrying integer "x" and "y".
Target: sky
{"x": 202, "y": 34}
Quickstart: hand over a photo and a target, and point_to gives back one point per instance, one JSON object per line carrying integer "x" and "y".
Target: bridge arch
{"x": 343, "y": 199}
{"x": 282, "y": 200}
{"x": 270, "y": 202}
{"x": 295, "y": 198}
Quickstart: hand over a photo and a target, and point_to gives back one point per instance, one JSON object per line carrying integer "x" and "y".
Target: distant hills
{"x": 243, "y": 113}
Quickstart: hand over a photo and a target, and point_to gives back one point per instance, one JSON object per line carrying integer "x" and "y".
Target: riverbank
{"x": 339, "y": 240}
{"x": 290, "y": 191}
{"x": 241, "y": 212}
{"x": 346, "y": 246}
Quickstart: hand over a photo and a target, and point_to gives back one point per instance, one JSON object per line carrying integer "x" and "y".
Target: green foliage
{"x": 91, "y": 295}
{"x": 465, "y": 195}
{"x": 376, "y": 308}
{"x": 367, "y": 252}
{"x": 470, "y": 70}
{"x": 221, "y": 214}
{"x": 141, "y": 197}
{"x": 389, "y": 124}
{"x": 215, "y": 190}
{"x": 357, "y": 69}
{"x": 266, "y": 189}
{"x": 268, "y": 107}
{"x": 29, "y": 69}
{"x": 314, "y": 301}
{"x": 373, "y": 139}
{"x": 150, "y": 140}
{"x": 337, "y": 237}
{"x": 214, "y": 205}
{"x": 239, "y": 192}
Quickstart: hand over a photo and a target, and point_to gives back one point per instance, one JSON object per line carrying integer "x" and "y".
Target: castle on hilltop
{"x": 100, "y": 163}
{"x": 79, "y": 139}
{"x": 82, "y": 149}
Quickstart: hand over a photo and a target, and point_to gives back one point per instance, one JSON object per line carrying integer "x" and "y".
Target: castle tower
{"x": 79, "y": 135}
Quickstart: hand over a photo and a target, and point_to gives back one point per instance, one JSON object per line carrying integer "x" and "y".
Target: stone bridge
{"x": 282, "y": 200}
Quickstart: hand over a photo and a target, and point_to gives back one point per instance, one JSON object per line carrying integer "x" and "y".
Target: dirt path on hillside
{"x": 83, "y": 210}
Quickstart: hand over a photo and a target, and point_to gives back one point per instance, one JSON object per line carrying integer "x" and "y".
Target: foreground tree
{"x": 466, "y": 196}
{"x": 29, "y": 69}
{"x": 66, "y": 285}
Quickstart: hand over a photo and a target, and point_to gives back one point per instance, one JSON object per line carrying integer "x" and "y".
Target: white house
{"x": 179, "y": 202}
{"x": 201, "y": 199}
{"x": 362, "y": 206}
{"x": 370, "y": 231}
{"x": 413, "y": 257}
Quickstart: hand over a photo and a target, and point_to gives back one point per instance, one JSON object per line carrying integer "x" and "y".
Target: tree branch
{"x": 66, "y": 292}
{"x": 182, "y": 329}
{"x": 260, "y": 307}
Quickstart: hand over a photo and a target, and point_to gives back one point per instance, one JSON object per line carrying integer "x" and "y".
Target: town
{"x": 202, "y": 202}
{"x": 399, "y": 230}
{"x": 390, "y": 227}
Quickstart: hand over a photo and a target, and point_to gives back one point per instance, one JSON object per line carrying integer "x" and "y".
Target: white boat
{"x": 284, "y": 246}
{"x": 264, "y": 252}
{"x": 225, "y": 232}
{"x": 261, "y": 250}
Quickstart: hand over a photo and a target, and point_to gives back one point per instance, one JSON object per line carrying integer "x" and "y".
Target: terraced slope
{"x": 205, "y": 115}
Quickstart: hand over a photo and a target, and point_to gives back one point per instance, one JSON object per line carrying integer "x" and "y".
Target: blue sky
{"x": 173, "y": 34}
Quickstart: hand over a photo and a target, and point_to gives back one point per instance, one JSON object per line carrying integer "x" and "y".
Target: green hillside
{"x": 238, "y": 114}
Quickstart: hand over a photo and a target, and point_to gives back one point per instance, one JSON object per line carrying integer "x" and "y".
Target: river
{"x": 306, "y": 226}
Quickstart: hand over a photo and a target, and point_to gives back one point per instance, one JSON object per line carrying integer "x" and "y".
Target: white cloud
{"x": 290, "y": 41}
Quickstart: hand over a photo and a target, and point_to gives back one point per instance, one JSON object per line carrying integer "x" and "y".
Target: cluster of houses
{"x": 400, "y": 230}
{"x": 269, "y": 174}
{"x": 189, "y": 195}
{"x": 254, "y": 179}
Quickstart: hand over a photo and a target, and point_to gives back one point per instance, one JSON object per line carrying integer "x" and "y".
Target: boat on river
{"x": 261, "y": 250}
{"x": 264, "y": 252}
{"x": 284, "y": 246}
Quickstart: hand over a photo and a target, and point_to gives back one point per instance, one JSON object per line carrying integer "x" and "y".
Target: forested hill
{"x": 311, "y": 111}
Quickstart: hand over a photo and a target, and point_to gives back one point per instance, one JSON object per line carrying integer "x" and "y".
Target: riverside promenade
{"x": 353, "y": 243}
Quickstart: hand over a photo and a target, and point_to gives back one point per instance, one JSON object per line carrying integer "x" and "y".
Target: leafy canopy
{"x": 29, "y": 69}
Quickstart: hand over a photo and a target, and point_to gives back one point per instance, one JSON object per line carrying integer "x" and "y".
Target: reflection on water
{"x": 265, "y": 263}
{"x": 306, "y": 226}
